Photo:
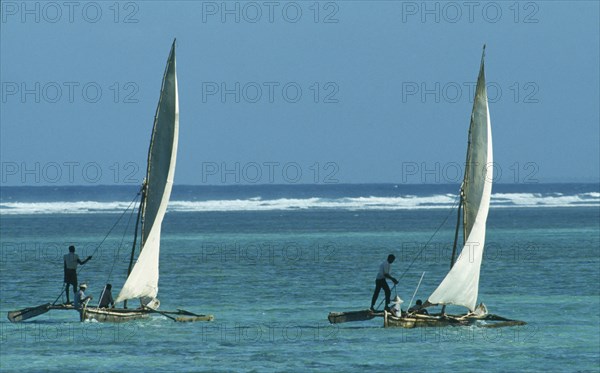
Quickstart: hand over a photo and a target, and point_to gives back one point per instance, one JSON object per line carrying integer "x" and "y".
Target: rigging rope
{"x": 101, "y": 242}
{"x": 121, "y": 243}
{"x": 454, "y": 204}
{"x": 113, "y": 227}
{"x": 116, "y": 256}
{"x": 430, "y": 238}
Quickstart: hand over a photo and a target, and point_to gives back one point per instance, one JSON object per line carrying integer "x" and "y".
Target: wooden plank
{"x": 195, "y": 318}
{"x": 28, "y": 313}
{"x": 362, "y": 315}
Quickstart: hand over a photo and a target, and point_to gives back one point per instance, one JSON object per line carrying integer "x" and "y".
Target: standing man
{"x": 70, "y": 265}
{"x": 380, "y": 282}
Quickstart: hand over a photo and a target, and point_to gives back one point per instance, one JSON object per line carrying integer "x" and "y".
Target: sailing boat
{"x": 142, "y": 279}
{"x": 461, "y": 285}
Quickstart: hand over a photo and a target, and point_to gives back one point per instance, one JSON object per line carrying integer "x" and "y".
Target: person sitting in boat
{"x": 70, "y": 262}
{"x": 396, "y": 309}
{"x": 418, "y": 308}
{"x": 381, "y": 283}
{"x": 81, "y": 299}
{"x": 106, "y": 298}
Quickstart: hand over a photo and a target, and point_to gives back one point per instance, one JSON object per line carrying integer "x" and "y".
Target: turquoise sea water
{"x": 270, "y": 263}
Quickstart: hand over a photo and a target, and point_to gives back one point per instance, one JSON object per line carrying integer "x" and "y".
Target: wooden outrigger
{"x": 362, "y": 315}
{"x": 115, "y": 315}
{"x": 29, "y": 312}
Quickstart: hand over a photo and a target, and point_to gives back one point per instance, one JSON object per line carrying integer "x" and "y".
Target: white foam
{"x": 79, "y": 207}
{"x": 550, "y": 200}
{"x": 406, "y": 202}
{"x": 358, "y": 203}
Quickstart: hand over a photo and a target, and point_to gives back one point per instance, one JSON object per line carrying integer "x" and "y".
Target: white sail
{"x": 143, "y": 279}
{"x": 461, "y": 284}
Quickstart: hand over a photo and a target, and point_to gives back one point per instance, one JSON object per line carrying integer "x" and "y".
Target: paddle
{"x": 415, "y": 293}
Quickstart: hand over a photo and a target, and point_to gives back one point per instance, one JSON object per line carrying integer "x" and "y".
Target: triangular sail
{"x": 461, "y": 284}
{"x": 479, "y": 145}
{"x": 143, "y": 279}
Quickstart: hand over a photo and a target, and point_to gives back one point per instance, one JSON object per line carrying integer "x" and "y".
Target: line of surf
{"x": 405, "y": 202}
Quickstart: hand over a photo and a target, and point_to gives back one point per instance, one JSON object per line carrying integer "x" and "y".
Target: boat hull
{"x": 123, "y": 315}
{"x": 112, "y": 314}
{"x": 416, "y": 320}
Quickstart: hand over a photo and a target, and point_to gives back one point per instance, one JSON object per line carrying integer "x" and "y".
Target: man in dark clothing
{"x": 106, "y": 298}
{"x": 70, "y": 262}
{"x": 418, "y": 308}
{"x": 381, "y": 283}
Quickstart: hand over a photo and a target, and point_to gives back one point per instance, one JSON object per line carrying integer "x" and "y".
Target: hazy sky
{"x": 298, "y": 92}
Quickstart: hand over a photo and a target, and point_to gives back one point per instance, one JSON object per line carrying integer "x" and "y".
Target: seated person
{"x": 418, "y": 308}
{"x": 107, "y": 298}
{"x": 80, "y": 298}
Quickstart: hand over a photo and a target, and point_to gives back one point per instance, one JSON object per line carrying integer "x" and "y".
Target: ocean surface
{"x": 271, "y": 261}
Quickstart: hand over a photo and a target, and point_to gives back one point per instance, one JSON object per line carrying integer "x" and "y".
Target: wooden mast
{"x": 137, "y": 224}
{"x": 452, "y": 258}
{"x": 462, "y": 199}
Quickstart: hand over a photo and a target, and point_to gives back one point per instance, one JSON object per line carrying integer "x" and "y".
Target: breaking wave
{"x": 406, "y": 202}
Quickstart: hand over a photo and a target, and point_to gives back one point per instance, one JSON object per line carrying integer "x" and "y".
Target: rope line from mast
{"x": 116, "y": 256}
{"x": 454, "y": 205}
{"x": 102, "y": 242}
{"x": 121, "y": 243}
{"x": 112, "y": 228}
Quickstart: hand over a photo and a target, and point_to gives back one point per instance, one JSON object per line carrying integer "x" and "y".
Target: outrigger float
{"x": 142, "y": 278}
{"x": 461, "y": 285}
{"x": 107, "y": 314}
